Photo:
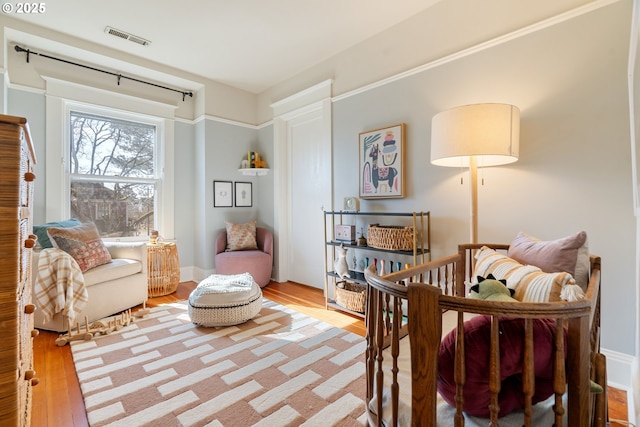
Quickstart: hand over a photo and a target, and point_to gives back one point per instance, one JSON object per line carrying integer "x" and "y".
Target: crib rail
{"x": 412, "y": 302}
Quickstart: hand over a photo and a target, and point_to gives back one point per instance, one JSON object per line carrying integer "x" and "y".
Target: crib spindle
{"x": 494, "y": 370}
{"x": 528, "y": 372}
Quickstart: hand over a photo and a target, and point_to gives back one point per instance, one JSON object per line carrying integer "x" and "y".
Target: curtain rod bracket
{"x": 20, "y": 49}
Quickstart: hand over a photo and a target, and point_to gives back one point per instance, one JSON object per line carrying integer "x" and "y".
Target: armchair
{"x": 256, "y": 262}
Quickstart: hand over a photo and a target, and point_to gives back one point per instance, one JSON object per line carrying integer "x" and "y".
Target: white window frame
{"x": 62, "y": 97}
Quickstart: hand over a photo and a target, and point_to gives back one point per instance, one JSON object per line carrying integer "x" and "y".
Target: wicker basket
{"x": 352, "y": 296}
{"x": 391, "y": 237}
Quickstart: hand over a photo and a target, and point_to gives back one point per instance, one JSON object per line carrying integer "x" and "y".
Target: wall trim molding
{"x": 538, "y": 26}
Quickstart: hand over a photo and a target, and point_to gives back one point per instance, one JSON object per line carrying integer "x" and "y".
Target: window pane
{"x": 112, "y": 147}
{"x": 117, "y": 209}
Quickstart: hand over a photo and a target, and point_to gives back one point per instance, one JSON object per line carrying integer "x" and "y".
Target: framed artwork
{"x": 381, "y": 166}
{"x": 243, "y": 194}
{"x": 222, "y": 194}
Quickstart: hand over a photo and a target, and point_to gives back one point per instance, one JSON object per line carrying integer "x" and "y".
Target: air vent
{"x": 124, "y": 35}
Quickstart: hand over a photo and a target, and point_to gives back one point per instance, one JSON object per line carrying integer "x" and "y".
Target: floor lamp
{"x": 475, "y": 136}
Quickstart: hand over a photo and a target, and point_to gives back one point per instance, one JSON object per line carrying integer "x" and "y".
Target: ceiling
{"x": 248, "y": 44}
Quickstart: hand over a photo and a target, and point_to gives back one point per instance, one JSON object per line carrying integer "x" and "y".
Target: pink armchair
{"x": 256, "y": 262}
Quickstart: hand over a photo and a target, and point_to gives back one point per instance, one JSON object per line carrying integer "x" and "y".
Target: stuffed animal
{"x": 340, "y": 264}
{"x": 491, "y": 289}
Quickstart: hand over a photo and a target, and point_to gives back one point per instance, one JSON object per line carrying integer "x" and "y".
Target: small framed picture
{"x": 244, "y": 197}
{"x": 222, "y": 194}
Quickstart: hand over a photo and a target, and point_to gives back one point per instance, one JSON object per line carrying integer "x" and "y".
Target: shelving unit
{"x": 421, "y": 246}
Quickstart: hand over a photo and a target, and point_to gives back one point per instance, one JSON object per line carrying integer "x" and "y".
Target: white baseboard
{"x": 619, "y": 369}
{"x": 620, "y": 374}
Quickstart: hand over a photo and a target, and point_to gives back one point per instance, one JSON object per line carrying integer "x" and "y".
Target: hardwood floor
{"x": 57, "y": 400}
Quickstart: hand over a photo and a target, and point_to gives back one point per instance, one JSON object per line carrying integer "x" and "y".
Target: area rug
{"x": 282, "y": 368}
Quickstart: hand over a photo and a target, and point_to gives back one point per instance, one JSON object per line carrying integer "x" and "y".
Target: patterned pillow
{"x": 40, "y": 230}
{"x": 241, "y": 237}
{"x": 570, "y": 254}
{"x": 83, "y": 243}
{"x": 530, "y": 282}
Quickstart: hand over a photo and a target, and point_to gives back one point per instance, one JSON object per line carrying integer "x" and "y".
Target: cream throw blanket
{"x": 59, "y": 285}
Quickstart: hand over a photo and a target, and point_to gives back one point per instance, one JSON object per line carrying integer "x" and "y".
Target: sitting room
{"x": 219, "y": 203}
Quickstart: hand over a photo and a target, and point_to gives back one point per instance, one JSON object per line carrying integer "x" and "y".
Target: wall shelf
{"x": 254, "y": 171}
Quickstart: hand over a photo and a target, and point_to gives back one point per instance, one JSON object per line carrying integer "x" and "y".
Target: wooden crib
{"x": 430, "y": 295}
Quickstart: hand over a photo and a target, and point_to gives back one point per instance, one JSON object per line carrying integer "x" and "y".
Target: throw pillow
{"x": 477, "y": 333}
{"x": 40, "y": 230}
{"x": 529, "y": 282}
{"x": 241, "y": 237}
{"x": 569, "y": 254}
{"x": 83, "y": 243}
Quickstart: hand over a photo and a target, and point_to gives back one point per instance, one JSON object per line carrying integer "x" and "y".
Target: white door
{"x": 302, "y": 184}
{"x": 310, "y": 193}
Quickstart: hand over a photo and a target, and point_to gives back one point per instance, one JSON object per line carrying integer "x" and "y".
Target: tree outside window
{"x": 113, "y": 173}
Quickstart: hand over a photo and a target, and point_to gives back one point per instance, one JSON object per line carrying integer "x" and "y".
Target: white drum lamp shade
{"x": 475, "y": 136}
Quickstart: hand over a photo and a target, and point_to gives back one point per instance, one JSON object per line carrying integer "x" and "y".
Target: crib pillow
{"x": 569, "y": 254}
{"x": 529, "y": 282}
{"x": 476, "y": 393}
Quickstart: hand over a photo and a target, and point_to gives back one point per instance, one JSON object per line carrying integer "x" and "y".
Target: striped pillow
{"x": 529, "y": 282}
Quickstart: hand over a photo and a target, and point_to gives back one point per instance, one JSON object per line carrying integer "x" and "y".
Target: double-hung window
{"x": 113, "y": 171}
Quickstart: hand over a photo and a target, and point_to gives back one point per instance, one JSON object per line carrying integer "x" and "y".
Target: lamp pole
{"x": 473, "y": 171}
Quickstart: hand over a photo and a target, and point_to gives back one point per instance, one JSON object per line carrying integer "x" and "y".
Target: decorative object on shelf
{"x": 381, "y": 167}
{"x": 475, "y": 136}
{"x": 362, "y": 241}
{"x": 254, "y": 161}
{"x": 153, "y": 237}
{"x": 391, "y": 237}
{"x": 352, "y": 296}
{"x": 244, "y": 196}
{"x": 340, "y": 263}
{"x": 345, "y": 233}
{"x": 351, "y": 204}
{"x": 222, "y": 194}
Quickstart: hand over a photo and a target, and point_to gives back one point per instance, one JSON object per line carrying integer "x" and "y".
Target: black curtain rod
{"x": 20, "y": 49}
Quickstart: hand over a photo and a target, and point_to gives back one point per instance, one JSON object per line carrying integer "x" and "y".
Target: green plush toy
{"x": 491, "y": 289}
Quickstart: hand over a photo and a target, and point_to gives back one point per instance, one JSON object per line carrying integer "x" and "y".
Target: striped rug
{"x": 282, "y": 368}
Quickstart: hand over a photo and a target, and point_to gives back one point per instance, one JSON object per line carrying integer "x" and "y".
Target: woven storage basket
{"x": 352, "y": 296}
{"x": 391, "y": 237}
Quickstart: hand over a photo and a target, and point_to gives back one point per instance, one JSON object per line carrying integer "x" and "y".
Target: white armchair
{"x": 111, "y": 288}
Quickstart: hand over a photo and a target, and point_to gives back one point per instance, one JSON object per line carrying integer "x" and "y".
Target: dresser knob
{"x": 34, "y": 333}
{"x": 29, "y": 375}
{"x": 35, "y": 381}
{"x": 29, "y": 176}
{"x": 29, "y": 308}
{"x": 29, "y": 243}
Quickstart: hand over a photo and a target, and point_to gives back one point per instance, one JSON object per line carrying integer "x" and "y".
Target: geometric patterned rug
{"x": 281, "y": 368}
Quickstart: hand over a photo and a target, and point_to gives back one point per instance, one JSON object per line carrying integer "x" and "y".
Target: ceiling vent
{"x": 127, "y": 36}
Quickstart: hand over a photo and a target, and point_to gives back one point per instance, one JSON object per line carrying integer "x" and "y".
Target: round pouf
{"x": 224, "y": 300}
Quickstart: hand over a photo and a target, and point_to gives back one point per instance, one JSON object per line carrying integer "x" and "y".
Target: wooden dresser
{"x": 17, "y": 376}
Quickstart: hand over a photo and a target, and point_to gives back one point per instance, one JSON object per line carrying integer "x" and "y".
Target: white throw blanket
{"x": 59, "y": 285}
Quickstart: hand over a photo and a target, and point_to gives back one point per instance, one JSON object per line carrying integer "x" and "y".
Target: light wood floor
{"x": 57, "y": 400}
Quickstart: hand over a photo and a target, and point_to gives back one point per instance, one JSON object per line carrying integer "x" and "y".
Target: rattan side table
{"x": 163, "y": 268}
